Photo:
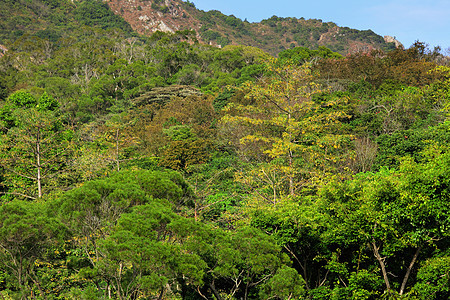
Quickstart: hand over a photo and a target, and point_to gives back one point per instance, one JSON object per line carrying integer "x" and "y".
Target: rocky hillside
{"x": 53, "y": 19}
{"x": 272, "y": 35}
{"x": 148, "y": 16}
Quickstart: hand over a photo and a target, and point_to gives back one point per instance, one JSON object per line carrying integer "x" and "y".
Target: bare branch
{"x": 18, "y": 194}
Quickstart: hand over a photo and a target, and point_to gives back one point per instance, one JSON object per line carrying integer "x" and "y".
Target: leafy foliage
{"x": 160, "y": 167}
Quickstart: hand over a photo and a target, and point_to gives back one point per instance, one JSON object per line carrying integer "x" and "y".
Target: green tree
{"x": 47, "y": 102}
{"x": 145, "y": 253}
{"x": 35, "y": 147}
{"x": 285, "y": 284}
{"x": 3, "y": 90}
{"x": 182, "y": 154}
{"x": 300, "y": 55}
{"x": 398, "y": 215}
{"x": 433, "y": 279}
{"x": 117, "y": 136}
{"x": 26, "y": 235}
{"x": 97, "y": 13}
{"x": 92, "y": 210}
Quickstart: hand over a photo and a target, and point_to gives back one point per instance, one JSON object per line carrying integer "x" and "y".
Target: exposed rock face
{"x": 3, "y": 50}
{"x": 148, "y": 16}
{"x": 391, "y": 39}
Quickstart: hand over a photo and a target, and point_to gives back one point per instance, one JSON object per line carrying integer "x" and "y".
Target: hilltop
{"x": 52, "y": 19}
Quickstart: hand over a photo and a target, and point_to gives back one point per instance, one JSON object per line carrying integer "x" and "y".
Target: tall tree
{"x": 34, "y": 145}
{"x": 285, "y": 116}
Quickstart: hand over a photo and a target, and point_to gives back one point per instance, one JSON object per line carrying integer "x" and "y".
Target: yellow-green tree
{"x": 439, "y": 91}
{"x": 284, "y": 115}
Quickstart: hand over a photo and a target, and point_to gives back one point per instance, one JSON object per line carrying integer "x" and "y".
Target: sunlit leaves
{"x": 285, "y": 121}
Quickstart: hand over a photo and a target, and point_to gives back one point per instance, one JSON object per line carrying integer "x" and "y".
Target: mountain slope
{"x": 52, "y": 19}
{"x": 272, "y": 35}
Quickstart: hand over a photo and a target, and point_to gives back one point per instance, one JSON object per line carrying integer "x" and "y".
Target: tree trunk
{"x": 117, "y": 150}
{"x": 382, "y": 265}
{"x": 246, "y": 292}
{"x": 38, "y": 286}
{"x": 38, "y": 163}
{"x": 215, "y": 292}
{"x": 408, "y": 271}
{"x": 303, "y": 267}
{"x": 291, "y": 177}
{"x": 291, "y": 167}
{"x": 161, "y": 294}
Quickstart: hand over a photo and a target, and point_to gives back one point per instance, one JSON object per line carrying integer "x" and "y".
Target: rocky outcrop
{"x": 391, "y": 39}
{"x": 3, "y": 50}
{"x": 147, "y": 16}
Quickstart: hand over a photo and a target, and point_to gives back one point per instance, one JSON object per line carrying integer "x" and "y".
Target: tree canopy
{"x": 157, "y": 167}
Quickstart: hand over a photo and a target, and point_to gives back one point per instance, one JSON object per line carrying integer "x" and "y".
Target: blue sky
{"x": 408, "y": 20}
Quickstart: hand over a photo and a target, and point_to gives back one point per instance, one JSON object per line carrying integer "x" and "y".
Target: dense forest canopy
{"x": 158, "y": 167}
